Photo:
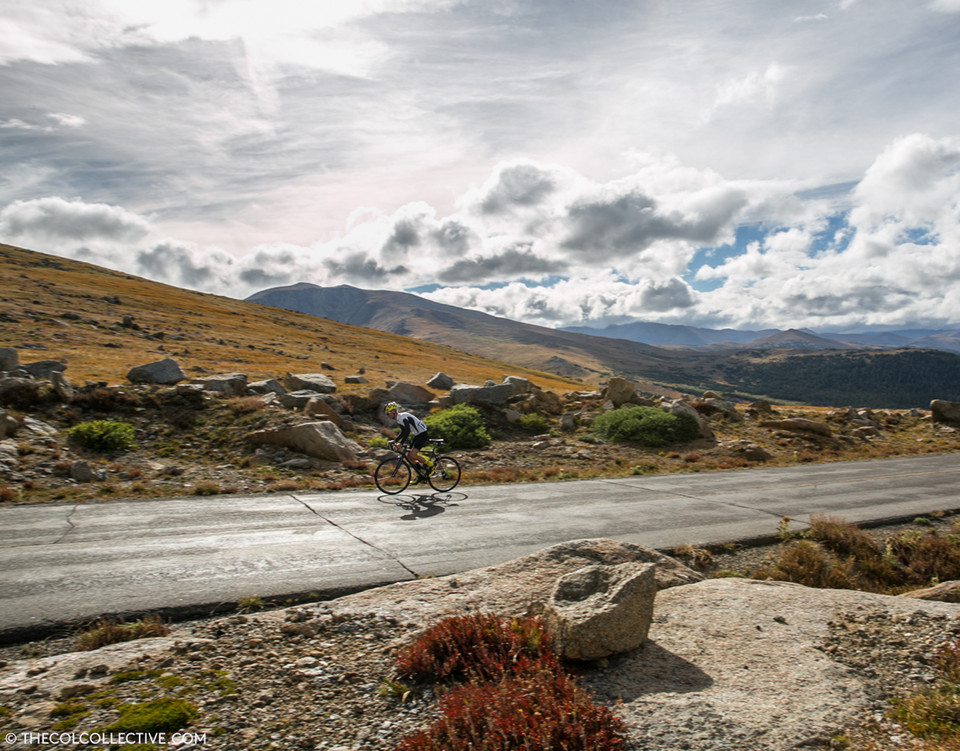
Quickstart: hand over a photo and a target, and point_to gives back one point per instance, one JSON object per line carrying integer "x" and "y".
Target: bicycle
{"x": 395, "y": 473}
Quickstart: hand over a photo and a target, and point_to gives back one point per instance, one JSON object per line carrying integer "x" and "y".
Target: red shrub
{"x": 482, "y": 646}
{"x": 534, "y": 711}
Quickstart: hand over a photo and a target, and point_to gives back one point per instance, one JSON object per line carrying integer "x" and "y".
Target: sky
{"x": 718, "y": 163}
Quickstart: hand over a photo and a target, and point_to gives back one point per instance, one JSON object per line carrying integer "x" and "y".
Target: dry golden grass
{"x": 201, "y": 330}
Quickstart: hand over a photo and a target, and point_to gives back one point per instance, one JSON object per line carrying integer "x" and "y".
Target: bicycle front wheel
{"x": 445, "y": 475}
{"x": 392, "y": 475}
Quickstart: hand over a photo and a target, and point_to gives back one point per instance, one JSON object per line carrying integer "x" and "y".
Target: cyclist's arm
{"x": 404, "y": 432}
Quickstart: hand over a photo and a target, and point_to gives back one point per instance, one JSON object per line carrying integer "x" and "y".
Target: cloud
{"x": 516, "y": 185}
{"x": 516, "y": 261}
{"x": 55, "y": 219}
{"x": 665, "y": 242}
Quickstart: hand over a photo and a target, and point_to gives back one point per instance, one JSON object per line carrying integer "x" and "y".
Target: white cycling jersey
{"x": 410, "y": 425}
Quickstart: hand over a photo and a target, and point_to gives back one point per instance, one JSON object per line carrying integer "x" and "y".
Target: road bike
{"x": 395, "y": 473}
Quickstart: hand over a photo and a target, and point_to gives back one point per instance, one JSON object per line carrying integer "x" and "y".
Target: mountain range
{"x": 781, "y": 365}
{"x": 664, "y": 334}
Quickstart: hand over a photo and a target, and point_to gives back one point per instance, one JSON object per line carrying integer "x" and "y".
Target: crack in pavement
{"x": 71, "y": 526}
{"x": 394, "y": 558}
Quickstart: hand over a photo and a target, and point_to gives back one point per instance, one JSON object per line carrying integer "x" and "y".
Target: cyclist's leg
{"x": 417, "y": 443}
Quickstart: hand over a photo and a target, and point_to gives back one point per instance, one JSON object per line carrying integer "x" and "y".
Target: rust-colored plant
{"x": 533, "y": 711}
{"x": 480, "y": 646}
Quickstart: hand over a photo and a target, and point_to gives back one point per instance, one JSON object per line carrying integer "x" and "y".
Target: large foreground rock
{"x": 598, "y": 611}
{"x": 520, "y": 585}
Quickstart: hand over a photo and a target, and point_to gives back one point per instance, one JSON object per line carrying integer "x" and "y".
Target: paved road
{"x": 68, "y": 563}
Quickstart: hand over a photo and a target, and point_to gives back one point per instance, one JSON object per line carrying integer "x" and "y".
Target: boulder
{"x": 269, "y": 386}
{"x": 943, "y": 411}
{"x": 61, "y": 385}
{"x": 678, "y": 407}
{"x": 620, "y": 391}
{"x": 164, "y": 372}
{"x": 942, "y": 592}
{"x": 297, "y": 399}
{"x": 229, "y": 384}
{"x": 490, "y": 394}
{"x": 309, "y": 382}
{"x": 8, "y": 424}
{"x": 411, "y": 394}
{"x": 317, "y": 407}
{"x": 82, "y": 472}
{"x": 518, "y": 385}
{"x": 749, "y": 451}
{"x": 43, "y": 368}
{"x": 441, "y": 381}
{"x": 598, "y": 611}
{"x": 9, "y": 456}
{"x": 9, "y": 359}
{"x": 798, "y": 424}
{"x": 321, "y": 439}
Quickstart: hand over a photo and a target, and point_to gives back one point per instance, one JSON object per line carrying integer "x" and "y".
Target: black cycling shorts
{"x": 419, "y": 440}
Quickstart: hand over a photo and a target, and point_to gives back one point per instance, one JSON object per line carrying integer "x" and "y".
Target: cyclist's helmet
{"x": 391, "y": 407}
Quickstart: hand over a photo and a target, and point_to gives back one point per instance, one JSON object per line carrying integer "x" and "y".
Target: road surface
{"x": 68, "y": 563}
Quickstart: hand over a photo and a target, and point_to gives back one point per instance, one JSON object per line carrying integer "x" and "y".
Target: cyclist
{"x": 413, "y": 427}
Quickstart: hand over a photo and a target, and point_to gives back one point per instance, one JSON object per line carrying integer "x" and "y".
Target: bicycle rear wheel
{"x": 392, "y": 475}
{"x": 445, "y": 475}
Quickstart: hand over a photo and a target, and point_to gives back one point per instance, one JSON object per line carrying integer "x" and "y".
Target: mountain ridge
{"x": 811, "y": 369}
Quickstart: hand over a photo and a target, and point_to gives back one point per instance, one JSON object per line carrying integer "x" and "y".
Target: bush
{"x": 103, "y": 435}
{"x": 534, "y": 423}
{"x": 461, "y": 427}
{"x": 110, "y": 632}
{"x": 157, "y": 716}
{"x": 539, "y": 711}
{"x": 517, "y": 695}
{"x": 646, "y": 425}
{"x": 481, "y": 646}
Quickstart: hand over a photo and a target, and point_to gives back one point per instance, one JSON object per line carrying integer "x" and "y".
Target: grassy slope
{"x": 202, "y": 330}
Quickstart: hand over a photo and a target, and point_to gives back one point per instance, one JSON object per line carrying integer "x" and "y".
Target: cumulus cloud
{"x": 662, "y": 243}
{"x": 56, "y": 219}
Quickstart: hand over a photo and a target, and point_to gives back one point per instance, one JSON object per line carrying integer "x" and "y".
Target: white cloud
{"x": 57, "y": 220}
{"x": 620, "y": 157}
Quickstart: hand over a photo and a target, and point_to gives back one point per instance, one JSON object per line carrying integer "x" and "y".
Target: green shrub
{"x": 103, "y": 435}
{"x": 461, "y": 427}
{"x": 157, "y": 716}
{"x": 646, "y": 425}
{"x": 534, "y": 423}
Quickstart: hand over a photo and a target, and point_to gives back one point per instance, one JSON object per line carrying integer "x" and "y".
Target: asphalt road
{"x": 69, "y": 563}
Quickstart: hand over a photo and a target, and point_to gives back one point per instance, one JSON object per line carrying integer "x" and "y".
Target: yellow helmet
{"x": 391, "y": 407}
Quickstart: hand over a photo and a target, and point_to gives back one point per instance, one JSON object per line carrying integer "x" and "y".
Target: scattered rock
{"x": 323, "y": 440}
{"x": 798, "y": 424}
{"x": 229, "y": 384}
{"x": 441, "y": 381}
{"x": 163, "y": 372}
{"x": 317, "y": 382}
{"x": 944, "y": 411}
